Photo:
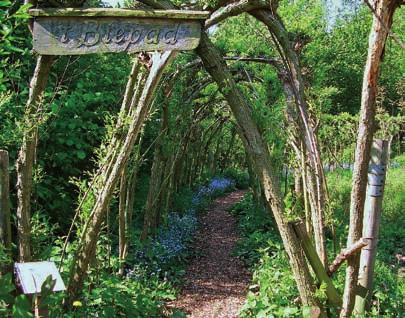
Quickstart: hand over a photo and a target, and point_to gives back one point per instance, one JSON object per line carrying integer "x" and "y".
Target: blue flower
{"x": 171, "y": 240}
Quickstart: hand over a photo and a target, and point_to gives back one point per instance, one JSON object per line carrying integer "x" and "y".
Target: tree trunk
{"x": 130, "y": 197}
{"x": 378, "y": 35}
{"x": 5, "y": 223}
{"x": 27, "y": 155}
{"x": 152, "y": 203}
{"x": 316, "y": 264}
{"x": 315, "y": 173}
{"x": 86, "y": 252}
{"x": 227, "y": 154}
{"x": 123, "y": 220}
{"x": 126, "y": 208}
{"x": 160, "y": 180}
{"x": 255, "y": 186}
{"x": 213, "y": 164}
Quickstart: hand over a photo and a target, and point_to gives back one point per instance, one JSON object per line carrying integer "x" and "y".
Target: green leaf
{"x": 47, "y": 290}
{"x": 306, "y": 312}
{"x": 6, "y": 285}
{"x": 54, "y": 108}
{"x": 81, "y": 154}
{"x": 22, "y": 307}
{"x": 5, "y": 3}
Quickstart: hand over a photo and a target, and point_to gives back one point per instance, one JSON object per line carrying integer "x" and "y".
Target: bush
{"x": 164, "y": 256}
{"x": 399, "y": 161}
{"x": 273, "y": 290}
{"x": 256, "y": 228}
{"x": 117, "y": 297}
{"x": 241, "y": 177}
{"x": 215, "y": 188}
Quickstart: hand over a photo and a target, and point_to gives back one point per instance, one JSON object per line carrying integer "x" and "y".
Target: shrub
{"x": 273, "y": 291}
{"x": 117, "y": 297}
{"x": 165, "y": 254}
{"x": 241, "y": 177}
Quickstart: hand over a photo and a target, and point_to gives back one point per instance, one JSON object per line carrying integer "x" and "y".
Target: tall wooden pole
{"x": 5, "y": 224}
{"x": 371, "y": 222}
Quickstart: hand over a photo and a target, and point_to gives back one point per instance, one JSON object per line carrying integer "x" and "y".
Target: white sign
{"x": 32, "y": 275}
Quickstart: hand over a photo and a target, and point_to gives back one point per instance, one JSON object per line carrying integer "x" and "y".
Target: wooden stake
{"x": 40, "y": 311}
{"x": 371, "y": 222}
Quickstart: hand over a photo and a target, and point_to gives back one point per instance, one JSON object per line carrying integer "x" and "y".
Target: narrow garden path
{"x": 216, "y": 282}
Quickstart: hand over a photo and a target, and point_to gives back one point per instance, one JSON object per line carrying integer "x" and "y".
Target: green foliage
{"x": 14, "y": 65}
{"x": 81, "y": 104}
{"x": 337, "y": 134}
{"x": 11, "y": 306}
{"x": 251, "y": 217}
{"x": 400, "y": 160}
{"x": 182, "y": 200}
{"x": 392, "y": 231}
{"x": 241, "y": 177}
{"x": 22, "y": 307}
{"x": 273, "y": 291}
{"x": 43, "y": 234}
{"x": 13, "y": 18}
{"x": 80, "y": 111}
{"x": 117, "y": 297}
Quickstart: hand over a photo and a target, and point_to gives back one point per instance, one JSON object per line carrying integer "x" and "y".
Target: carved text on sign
{"x": 92, "y": 33}
{"x": 69, "y": 35}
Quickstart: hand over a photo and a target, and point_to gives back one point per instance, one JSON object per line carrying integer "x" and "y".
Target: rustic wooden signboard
{"x": 83, "y": 31}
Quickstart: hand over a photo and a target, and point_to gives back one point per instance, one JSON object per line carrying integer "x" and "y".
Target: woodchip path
{"x": 216, "y": 282}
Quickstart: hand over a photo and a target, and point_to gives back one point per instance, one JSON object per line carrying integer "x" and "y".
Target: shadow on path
{"x": 216, "y": 281}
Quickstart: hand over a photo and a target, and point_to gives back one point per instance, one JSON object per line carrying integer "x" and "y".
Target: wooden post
{"x": 5, "y": 225}
{"x": 371, "y": 222}
{"x": 40, "y": 311}
{"x": 333, "y": 296}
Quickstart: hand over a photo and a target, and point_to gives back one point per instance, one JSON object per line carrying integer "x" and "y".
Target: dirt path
{"x": 216, "y": 282}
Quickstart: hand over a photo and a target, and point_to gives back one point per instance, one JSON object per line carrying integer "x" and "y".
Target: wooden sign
{"x": 100, "y": 30}
{"x": 32, "y": 275}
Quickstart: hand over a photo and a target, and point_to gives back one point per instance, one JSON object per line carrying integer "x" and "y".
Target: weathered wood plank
{"x": 114, "y": 12}
{"x": 85, "y": 35}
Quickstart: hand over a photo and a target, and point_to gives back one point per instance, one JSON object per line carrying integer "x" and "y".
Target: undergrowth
{"x": 273, "y": 292}
{"x": 153, "y": 269}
